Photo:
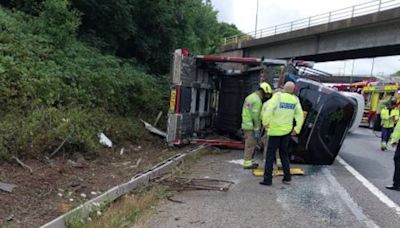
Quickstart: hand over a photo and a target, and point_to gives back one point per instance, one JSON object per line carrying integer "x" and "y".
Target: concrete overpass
{"x": 368, "y": 35}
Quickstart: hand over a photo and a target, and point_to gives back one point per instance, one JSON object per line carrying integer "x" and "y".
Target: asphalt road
{"x": 326, "y": 196}
{"x": 362, "y": 151}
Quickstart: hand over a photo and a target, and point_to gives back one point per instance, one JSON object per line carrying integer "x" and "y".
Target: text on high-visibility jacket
{"x": 280, "y": 111}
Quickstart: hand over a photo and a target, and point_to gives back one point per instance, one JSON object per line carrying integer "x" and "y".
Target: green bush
{"x": 54, "y": 87}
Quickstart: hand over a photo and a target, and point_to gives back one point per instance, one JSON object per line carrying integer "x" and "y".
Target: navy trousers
{"x": 386, "y": 133}
{"x": 275, "y": 142}
{"x": 396, "y": 176}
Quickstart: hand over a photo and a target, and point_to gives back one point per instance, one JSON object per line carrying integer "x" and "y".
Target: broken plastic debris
{"x": 10, "y": 218}
{"x": 153, "y": 129}
{"x": 238, "y": 161}
{"x": 7, "y": 187}
{"x": 104, "y": 140}
{"x": 83, "y": 195}
{"x": 74, "y": 164}
{"x": 93, "y": 193}
{"x": 122, "y": 151}
{"x": 60, "y": 194}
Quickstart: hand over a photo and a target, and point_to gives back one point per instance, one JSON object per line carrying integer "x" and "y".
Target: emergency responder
{"x": 265, "y": 137}
{"x": 251, "y": 123}
{"x": 396, "y": 176}
{"x": 282, "y": 109}
{"x": 390, "y": 116}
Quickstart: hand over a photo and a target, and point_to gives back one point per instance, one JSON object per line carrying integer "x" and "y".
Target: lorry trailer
{"x": 208, "y": 92}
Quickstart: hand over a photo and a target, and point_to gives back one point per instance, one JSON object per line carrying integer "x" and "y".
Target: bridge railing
{"x": 337, "y": 15}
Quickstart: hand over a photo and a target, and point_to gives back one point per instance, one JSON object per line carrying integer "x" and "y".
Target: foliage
{"x": 145, "y": 30}
{"x": 54, "y": 87}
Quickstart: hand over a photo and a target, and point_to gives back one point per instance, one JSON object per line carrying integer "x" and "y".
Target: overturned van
{"x": 208, "y": 93}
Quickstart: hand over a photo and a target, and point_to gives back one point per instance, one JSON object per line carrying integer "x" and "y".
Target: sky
{"x": 274, "y": 12}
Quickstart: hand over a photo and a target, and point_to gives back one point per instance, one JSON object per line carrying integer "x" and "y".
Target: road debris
{"x": 191, "y": 184}
{"x": 158, "y": 118}
{"x": 61, "y": 145}
{"x": 153, "y": 129}
{"x": 10, "y": 218}
{"x": 22, "y": 164}
{"x": 7, "y": 187}
{"x": 104, "y": 140}
{"x": 74, "y": 164}
{"x": 237, "y": 161}
{"x": 137, "y": 164}
{"x": 174, "y": 200}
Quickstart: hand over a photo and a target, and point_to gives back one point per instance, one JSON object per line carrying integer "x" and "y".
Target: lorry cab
{"x": 208, "y": 92}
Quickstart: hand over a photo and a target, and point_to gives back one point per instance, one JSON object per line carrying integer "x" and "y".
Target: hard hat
{"x": 265, "y": 87}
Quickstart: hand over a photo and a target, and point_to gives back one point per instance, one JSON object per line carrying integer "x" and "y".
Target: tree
{"x": 145, "y": 30}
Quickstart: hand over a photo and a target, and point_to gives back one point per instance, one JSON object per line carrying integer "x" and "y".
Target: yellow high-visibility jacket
{"x": 396, "y": 134}
{"x": 263, "y": 116}
{"x": 280, "y": 112}
{"x": 251, "y": 112}
{"x": 389, "y": 118}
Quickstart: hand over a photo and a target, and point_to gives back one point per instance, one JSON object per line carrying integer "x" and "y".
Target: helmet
{"x": 265, "y": 87}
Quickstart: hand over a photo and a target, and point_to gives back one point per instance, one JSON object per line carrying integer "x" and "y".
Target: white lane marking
{"x": 374, "y": 190}
{"x": 355, "y": 209}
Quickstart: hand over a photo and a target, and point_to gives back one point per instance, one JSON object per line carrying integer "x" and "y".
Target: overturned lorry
{"x": 208, "y": 93}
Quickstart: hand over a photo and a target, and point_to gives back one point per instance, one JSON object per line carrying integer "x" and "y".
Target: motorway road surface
{"x": 349, "y": 193}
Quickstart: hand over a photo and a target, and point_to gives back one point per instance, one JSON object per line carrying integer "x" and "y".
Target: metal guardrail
{"x": 337, "y": 15}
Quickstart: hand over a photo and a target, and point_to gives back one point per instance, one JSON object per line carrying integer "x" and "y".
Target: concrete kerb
{"x": 112, "y": 194}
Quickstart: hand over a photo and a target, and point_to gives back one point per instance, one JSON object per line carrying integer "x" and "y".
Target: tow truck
{"x": 208, "y": 93}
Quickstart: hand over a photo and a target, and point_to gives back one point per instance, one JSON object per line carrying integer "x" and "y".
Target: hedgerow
{"x": 54, "y": 87}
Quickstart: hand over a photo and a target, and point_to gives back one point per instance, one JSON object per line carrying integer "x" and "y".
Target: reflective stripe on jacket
{"x": 251, "y": 112}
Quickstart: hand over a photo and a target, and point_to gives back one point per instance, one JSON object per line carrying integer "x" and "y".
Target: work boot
{"x": 252, "y": 166}
{"x": 286, "y": 180}
{"x": 266, "y": 183}
{"x": 393, "y": 187}
{"x": 383, "y": 146}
